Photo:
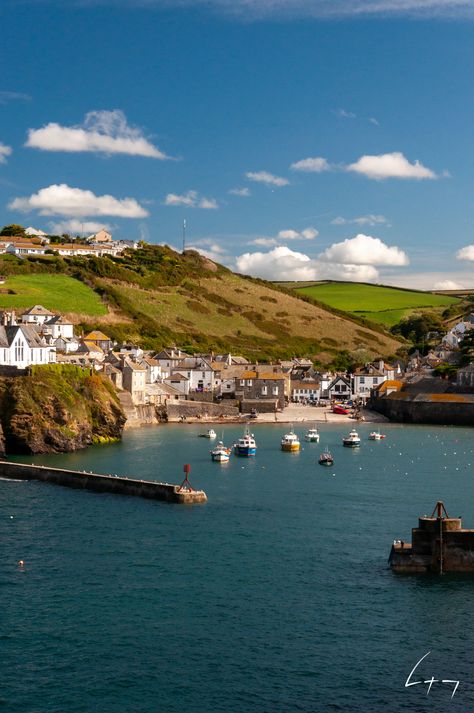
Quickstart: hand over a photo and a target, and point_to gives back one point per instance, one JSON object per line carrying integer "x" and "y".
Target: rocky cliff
{"x": 58, "y": 408}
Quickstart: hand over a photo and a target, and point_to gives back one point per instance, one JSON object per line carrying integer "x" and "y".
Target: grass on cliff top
{"x": 385, "y": 305}
{"x": 58, "y": 293}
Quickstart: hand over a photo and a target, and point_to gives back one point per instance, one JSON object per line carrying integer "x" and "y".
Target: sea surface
{"x": 274, "y": 596}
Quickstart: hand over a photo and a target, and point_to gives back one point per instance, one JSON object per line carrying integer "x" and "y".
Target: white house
{"x": 179, "y": 382}
{"x": 25, "y": 248}
{"x": 36, "y": 315}
{"x": 22, "y": 346}
{"x": 153, "y": 369}
{"x": 168, "y": 359}
{"x": 58, "y": 326}
{"x": 339, "y": 388}
{"x": 370, "y": 376}
{"x": 199, "y": 371}
{"x": 305, "y": 390}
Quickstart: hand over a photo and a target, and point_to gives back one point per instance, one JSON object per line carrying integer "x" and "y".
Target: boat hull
{"x": 290, "y": 447}
{"x": 351, "y": 444}
{"x": 327, "y": 463}
{"x": 245, "y": 451}
{"x": 312, "y": 439}
{"x": 220, "y": 457}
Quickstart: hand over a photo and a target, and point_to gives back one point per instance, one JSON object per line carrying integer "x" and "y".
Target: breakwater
{"x": 100, "y": 483}
{"x": 430, "y": 408}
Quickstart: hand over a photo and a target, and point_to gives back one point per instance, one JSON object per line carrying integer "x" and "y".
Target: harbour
{"x": 277, "y": 593}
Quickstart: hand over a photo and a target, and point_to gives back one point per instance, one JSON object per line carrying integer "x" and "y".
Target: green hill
{"x": 157, "y": 297}
{"x": 385, "y": 305}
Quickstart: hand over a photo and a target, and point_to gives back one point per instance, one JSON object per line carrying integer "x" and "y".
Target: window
{"x": 275, "y": 391}
{"x": 249, "y": 382}
{"x": 376, "y": 381}
{"x": 203, "y": 374}
{"x": 362, "y": 379}
{"x": 264, "y": 390}
{"x": 242, "y": 382}
{"x": 337, "y": 388}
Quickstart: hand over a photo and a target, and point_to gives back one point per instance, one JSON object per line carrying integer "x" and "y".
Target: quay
{"x": 100, "y": 483}
{"x": 439, "y": 544}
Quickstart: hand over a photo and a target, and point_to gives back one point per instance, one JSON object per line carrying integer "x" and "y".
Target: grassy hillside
{"x": 156, "y": 297}
{"x": 386, "y": 305}
{"x": 55, "y": 292}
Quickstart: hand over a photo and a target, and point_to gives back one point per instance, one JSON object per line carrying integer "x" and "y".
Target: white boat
{"x": 312, "y": 435}
{"x": 210, "y": 433}
{"x": 220, "y": 453}
{"x": 290, "y": 442}
{"x": 246, "y": 446}
{"x": 352, "y": 440}
{"x": 376, "y": 436}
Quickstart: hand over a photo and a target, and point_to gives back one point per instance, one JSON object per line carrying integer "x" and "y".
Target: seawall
{"x": 100, "y": 483}
{"x": 440, "y": 409}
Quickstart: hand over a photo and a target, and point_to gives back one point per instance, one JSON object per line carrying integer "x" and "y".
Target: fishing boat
{"x": 210, "y": 433}
{"x": 352, "y": 440}
{"x": 220, "y": 454}
{"x": 312, "y": 435}
{"x": 326, "y": 459}
{"x": 290, "y": 442}
{"x": 246, "y": 445}
{"x": 376, "y": 436}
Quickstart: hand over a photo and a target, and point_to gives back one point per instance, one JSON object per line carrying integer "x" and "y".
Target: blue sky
{"x": 295, "y": 145}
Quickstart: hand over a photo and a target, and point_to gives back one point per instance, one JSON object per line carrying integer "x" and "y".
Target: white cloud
{"x": 362, "y": 220}
{"x": 374, "y": 121}
{"x": 191, "y": 199}
{"x": 242, "y": 192}
{"x": 104, "y": 132}
{"x": 4, "y": 152}
{"x": 311, "y": 165}
{"x": 364, "y": 250}
{"x": 77, "y": 227}
{"x": 267, "y": 178}
{"x": 448, "y": 285}
{"x": 208, "y": 204}
{"x": 75, "y": 202}
{"x": 6, "y": 97}
{"x": 282, "y": 263}
{"x": 306, "y": 234}
{"x": 345, "y": 114}
{"x": 264, "y": 242}
{"x": 390, "y": 165}
{"x": 466, "y": 253}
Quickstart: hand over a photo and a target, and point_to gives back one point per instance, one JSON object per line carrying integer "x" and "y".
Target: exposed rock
{"x": 58, "y": 408}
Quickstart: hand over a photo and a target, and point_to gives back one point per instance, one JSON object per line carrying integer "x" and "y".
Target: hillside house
{"x": 168, "y": 359}
{"x": 102, "y": 236}
{"x": 202, "y": 375}
{"x": 369, "y": 377}
{"x": 340, "y": 388}
{"x": 36, "y": 315}
{"x": 178, "y": 382}
{"x": 153, "y": 369}
{"x": 63, "y": 344}
{"x": 305, "y": 390}
{"x": 21, "y": 248}
{"x": 100, "y": 339}
{"x": 58, "y": 326}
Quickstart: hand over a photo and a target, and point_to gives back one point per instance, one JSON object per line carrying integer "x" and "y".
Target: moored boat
{"x": 376, "y": 436}
{"x": 312, "y": 435}
{"x": 352, "y": 440}
{"x": 246, "y": 445}
{"x": 210, "y": 433}
{"x": 221, "y": 454}
{"x": 290, "y": 442}
{"x": 326, "y": 459}
{"x": 342, "y": 410}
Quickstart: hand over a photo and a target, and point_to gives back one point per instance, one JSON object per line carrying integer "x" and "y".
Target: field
{"x": 58, "y": 293}
{"x": 386, "y": 305}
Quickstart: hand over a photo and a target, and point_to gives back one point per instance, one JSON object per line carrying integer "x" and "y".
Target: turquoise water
{"x": 274, "y": 596}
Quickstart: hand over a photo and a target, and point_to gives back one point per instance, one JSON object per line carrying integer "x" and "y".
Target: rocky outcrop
{"x": 58, "y": 408}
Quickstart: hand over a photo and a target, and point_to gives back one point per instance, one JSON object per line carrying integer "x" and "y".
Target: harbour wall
{"x": 440, "y": 409}
{"x": 100, "y": 483}
{"x": 194, "y": 409}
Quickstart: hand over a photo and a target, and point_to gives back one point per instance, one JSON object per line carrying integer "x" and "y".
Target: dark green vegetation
{"x": 385, "y": 305}
{"x": 157, "y": 297}
{"x": 58, "y": 408}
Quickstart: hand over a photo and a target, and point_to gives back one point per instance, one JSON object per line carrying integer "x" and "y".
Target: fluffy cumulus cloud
{"x": 5, "y": 151}
{"x": 448, "y": 285}
{"x": 61, "y": 199}
{"x": 362, "y": 220}
{"x": 311, "y": 165}
{"x": 191, "y": 199}
{"x": 267, "y": 178}
{"x": 281, "y": 263}
{"x": 466, "y": 253}
{"x": 306, "y": 234}
{"x": 364, "y": 250}
{"x": 390, "y": 165}
{"x": 77, "y": 227}
{"x": 356, "y": 259}
{"x": 104, "y": 132}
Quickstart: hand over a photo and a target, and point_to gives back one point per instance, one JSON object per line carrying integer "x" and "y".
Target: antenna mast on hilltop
{"x": 184, "y": 235}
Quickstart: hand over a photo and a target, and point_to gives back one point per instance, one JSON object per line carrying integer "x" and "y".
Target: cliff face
{"x": 58, "y": 408}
